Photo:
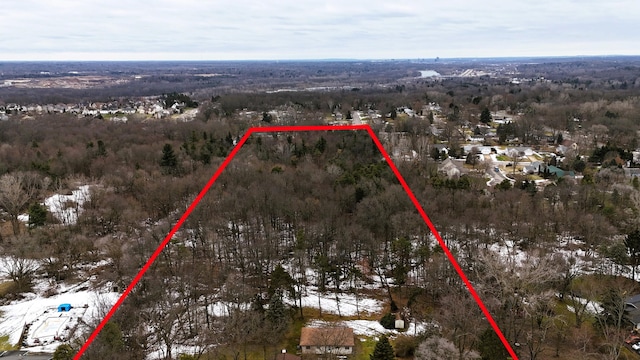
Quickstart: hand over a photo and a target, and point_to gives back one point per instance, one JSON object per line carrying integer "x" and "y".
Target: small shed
{"x": 64, "y": 307}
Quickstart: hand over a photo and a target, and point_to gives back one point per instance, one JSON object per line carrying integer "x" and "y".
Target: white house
{"x": 534, "y": 167}
{"x": 449, "y": 168}
{"x": 524, "y": 151}
{"x": 484, "y": 150}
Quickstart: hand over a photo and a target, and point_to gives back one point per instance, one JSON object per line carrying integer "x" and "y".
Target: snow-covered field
{"x": 45, "y": 320}
{"x": 346, "y": 305}
{"x": 343, "y": 304}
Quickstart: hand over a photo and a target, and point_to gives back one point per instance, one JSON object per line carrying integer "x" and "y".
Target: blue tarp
{"x": 64, "y": 307}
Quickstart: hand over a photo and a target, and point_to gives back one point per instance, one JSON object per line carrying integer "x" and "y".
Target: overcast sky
{"x": 315, "y": 29}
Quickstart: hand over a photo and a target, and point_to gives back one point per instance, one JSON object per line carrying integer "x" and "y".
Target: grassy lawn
{"x": 364, "y": 347}
{"x": 5, "y": 345}
{"x": 609, "y": 281}
{"x": 562, "y": 309}
{"x": 253, "y": 352}
{"x": 6, "y": 288}
{"x": 503, "y": 158}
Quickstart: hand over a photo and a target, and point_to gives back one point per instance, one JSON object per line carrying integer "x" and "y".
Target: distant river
{"x": 429, "y": 73}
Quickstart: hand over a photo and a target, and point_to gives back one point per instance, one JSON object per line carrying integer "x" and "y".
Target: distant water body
{"x": 429, "y": 73}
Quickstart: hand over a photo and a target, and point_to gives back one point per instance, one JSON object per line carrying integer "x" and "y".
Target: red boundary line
{"x": 215, "y": 176}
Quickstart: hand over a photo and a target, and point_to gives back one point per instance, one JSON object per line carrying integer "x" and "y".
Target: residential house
{"x": 534, "y": 168}
{"x": 409, "y": 112}
{"x": 524, "y": 150}
{"x": 566, "y": 146}
{"x": 327, "y": 340}
{"x": 557, "y": 172}
{"x": 632, "y": 172}
{"x": 500, "y": 117}
{"x": 441, "y": 148}
{"x": 433, "y": 107}
{"x": 484, "y": 150}
{"x": 475, "y": 138}
{"x": 450, "y": 169}
{"x": 632, "y": 308}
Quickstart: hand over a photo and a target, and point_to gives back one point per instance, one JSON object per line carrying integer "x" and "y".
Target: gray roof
{"x": 635, "y": 300}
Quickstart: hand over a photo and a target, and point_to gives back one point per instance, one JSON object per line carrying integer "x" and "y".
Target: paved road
{"x": 496, "y": 176}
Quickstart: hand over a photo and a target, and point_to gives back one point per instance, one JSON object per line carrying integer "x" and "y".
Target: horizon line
{"x": 432, "y": 59}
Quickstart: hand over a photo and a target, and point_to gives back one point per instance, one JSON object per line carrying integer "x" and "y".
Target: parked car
{"x": 632, "y": 339}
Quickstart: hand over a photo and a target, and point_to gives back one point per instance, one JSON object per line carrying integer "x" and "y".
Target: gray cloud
{"x": 252, "y": 29}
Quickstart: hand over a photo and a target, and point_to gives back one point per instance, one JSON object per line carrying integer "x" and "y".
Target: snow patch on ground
{"x": 347, "y": 305}
{"x": 65, "y": 208}
{"x": 161, "y": 354}
{"x": 509, "y": 250}
{"x": 371, "y": 328}
{"x": 592, "y": 307}
{"x": 343, "y": 304}
{"x": 45, "y": 322}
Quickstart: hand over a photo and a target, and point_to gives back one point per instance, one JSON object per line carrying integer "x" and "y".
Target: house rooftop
{"x": 633, "y": 300}
{"x": 333, "y": 336}
{"x": 559, "y": 172}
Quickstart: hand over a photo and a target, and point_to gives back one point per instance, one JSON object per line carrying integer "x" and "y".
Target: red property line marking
{"x": 215, "y": 176}
{"x": 444, "y": 247}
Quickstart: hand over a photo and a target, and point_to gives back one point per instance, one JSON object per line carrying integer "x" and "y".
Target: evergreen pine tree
{"x": 37, "y": 215}
{"x": 63, "y": 352}
{"x": 491, "y": 347}
{"x": 281, "y": 280}
{"x": 277, "y": 317}
{"x": 485, "y": 116}
{"x": 102, "y": 149}
{"x": 383, "y": 350}
{"x": 277, "y": 313}
{"x": 169, "y": 161}
{"x": 632, "y": 242}
{"x": 112, "y": 336}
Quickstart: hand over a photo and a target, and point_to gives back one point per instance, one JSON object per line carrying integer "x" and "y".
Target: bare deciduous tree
{"x": 440, "y": 348}
{"x": 21, "y": 271}
{"x": 17, "y": 190}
